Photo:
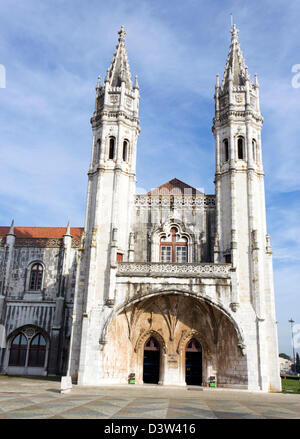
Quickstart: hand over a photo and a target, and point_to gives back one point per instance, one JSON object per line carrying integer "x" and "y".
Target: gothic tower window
{"x": 240, "y": 145}
{"x": 254, "y": 150}
{"x": 97, "y": 155}
{"x": 112, "y": 142}
{"x": 225, "y": 150}
{"x": 173, "y": 247}
{"x": 125, "y": 150}
{"x": 36, "y": 277}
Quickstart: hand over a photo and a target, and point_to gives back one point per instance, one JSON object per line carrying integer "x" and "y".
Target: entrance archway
{"x": 151, "y": 361}
{"x": 193, "y": 363}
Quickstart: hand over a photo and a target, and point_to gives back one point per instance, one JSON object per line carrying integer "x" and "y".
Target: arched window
{"x": 254, "y": 150}
{"x": 37, "y": 351}
{"x": 225, "y": 150}
{"x": 18, "y": 351}
{"x": 112, "y": 142}
{"x": 240, "y": 145}
{"x": 97, "y": 155}
{"x": 125, "y": 150}
{"x": 36, "y": 277}
{"x": 173, "y": 248}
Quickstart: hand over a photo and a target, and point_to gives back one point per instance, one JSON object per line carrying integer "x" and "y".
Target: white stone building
{"x": 173, "y": 286}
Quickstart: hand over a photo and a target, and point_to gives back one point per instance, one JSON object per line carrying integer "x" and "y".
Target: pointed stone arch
{"x": 147, "y": 334}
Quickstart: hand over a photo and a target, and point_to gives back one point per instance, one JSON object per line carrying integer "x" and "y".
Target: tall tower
{"x": 241, "y": 236}
{"x": 110, "y": 201}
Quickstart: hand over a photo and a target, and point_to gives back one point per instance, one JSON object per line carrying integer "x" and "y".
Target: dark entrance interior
{"x": 151, "y": 361}
{"x": 193, "y": 363}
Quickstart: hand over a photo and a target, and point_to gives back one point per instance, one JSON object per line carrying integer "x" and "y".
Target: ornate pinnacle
{"x": 136, "y": 84}
{"x": 122, "y": 34}
{"x": 234, "y": 33}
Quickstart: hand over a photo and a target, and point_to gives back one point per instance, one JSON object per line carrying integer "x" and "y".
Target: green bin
{"x": 131, "y": 378}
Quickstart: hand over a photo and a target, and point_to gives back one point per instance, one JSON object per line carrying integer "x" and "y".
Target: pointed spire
{"x": 136, "y": 84}
{"x": 119, "y": 71}
{"x": 12, "y": 228}
{"x": 98, "y": 86}
{"x": 68, "y": 231}
{"x": 235, "y": 68}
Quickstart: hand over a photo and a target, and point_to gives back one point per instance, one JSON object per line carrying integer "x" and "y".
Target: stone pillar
{"x": 55, "y": 352}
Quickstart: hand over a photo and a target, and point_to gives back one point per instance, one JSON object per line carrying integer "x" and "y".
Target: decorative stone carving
{"x": 155, "y": 268}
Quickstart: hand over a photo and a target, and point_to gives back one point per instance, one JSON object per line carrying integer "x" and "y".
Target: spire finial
{"x": 234, "y": 32}
{"x": 11, "y": 229}
{"x": 122, "y": 33}
{"x": 136, "y": 84}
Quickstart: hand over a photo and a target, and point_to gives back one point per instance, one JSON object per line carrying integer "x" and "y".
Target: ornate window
{"x": 125, "y": 150}
{"x": 240, "y": 145}
{"x": 225, "y": 150}
{"x": 36, "y": 277}
{"x": 28, "y": 348}
{"x": 112, "y": 142}
{"x": 173, "y": 247}
{"x": 18, "y": 350}
{"x": 37, "y": 351}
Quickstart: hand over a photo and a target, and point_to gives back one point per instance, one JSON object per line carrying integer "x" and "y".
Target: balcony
{"x": 159, "y": 269}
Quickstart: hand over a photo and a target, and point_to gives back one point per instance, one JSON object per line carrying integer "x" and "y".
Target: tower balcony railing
{"x": 162, "y": 269}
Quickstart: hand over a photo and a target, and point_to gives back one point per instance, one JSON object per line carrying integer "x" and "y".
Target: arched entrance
{"x": 151, "y": 361}
{"x": 193, "y": 363}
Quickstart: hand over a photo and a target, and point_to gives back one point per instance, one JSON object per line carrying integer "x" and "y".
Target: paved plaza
{"x": 38, "y": 398}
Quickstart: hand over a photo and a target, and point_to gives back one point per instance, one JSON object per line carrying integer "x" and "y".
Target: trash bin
{"x": 131, "y": 378}
{"x": 212, "y": 381}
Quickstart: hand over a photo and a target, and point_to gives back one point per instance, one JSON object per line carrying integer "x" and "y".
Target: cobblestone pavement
{"x": 38, "y": 398}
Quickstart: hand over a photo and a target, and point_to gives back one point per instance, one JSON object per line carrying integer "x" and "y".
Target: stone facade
{"x": 175, "y": 278}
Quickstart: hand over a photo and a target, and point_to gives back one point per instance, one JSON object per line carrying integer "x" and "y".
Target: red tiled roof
{"x": 174, "y": 186}
{"x": 42, "y": 232}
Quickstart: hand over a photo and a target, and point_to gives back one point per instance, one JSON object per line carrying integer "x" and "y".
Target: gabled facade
{"x": 173, "y": 286}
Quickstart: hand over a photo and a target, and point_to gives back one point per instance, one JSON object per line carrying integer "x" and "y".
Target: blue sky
{"x": 53, "y": 52}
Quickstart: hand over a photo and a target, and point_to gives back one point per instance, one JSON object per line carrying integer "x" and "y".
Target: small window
{"x": 225, "y": 150}
{"x": 181, "y": 254}
{"x": 254, "y": 150}
{"x": 36, "y": 277}
{"x": 241, "y": 148}
{"x": 228, "y": 259}
{"x": 119, "y": 257}
{"x": 166, "y": 251}
{"x": 97, "y": 155}
{"x": 112, "y": 142}
{"x": 125, "y": 150}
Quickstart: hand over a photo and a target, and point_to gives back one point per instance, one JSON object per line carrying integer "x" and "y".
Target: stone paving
{"x": 38, "y": 398}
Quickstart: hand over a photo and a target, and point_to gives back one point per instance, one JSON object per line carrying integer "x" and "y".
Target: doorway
{"x": 151, "y": 361}
{"x": 193, "y": 363}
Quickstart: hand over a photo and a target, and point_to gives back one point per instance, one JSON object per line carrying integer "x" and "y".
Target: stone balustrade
{"x": 173, "y": 269}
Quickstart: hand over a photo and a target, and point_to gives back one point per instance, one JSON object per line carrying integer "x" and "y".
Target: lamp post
{"x": 291, "y": 322}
